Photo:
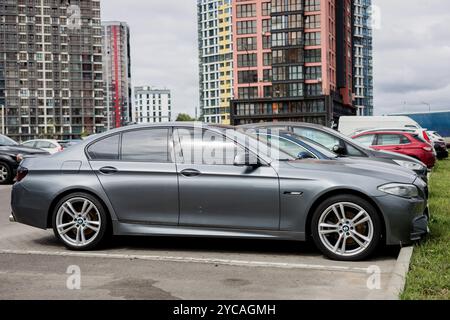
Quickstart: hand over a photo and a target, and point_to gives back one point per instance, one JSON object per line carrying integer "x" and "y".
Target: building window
{"x": 312, "y": 5}
{"x": 312, "y": 56}
{"x": 279, "y": 73}
{"x": 266, "y": 25}
{"x": 250, "y": 76}
{"x": 295, "y": 73}
{"x": 279, "y": 39}
{"x": 313, "y": 90}
{"x": 248, "y": 92}
{"x": 266, "y": 42}
{"x": 312, "y": 39}
{"x": 312, "y": 22}
{"x": 246, "y": 10}
{"x": 296, "y": 89}
{"x": 266, "y": 10}
{"x": 267, "y": 75}
{"x": 246, "y": 44}
{"x": 267, "y": 59}
{"x": 313, "y": 73}
{"x": 246, "y": 27}
{"x": 246, "y": 60}
{"x": 295, "y": 21}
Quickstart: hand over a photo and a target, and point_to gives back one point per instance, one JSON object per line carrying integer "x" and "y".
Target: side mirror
{"x": 304, "y": 155}
{"x": 339, "y": 150}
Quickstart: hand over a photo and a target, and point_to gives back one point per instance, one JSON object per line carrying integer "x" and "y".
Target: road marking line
{"x": 224, "y": 262}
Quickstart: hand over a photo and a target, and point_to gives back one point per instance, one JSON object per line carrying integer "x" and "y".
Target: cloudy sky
{"x": 411, "y": 51}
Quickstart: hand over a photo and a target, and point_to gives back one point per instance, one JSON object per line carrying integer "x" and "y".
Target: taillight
{"x": 21, "y": 174}
{"x": 60, "y": 149}
{"x": 426, "y": 136}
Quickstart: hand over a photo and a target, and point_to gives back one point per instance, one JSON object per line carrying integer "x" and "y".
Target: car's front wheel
{"x": 80, "y": 222}
{"x": 5, "y": 174}
{"x": 346, "y": 228}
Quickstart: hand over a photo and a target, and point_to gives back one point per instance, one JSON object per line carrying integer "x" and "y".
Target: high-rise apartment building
{"x": 152, "y": 105}
{"x": 294, "y": 61}
{"x": 215, "y": 59}
{"x": 362, "y": 56}
{"x": 117, "y": 73}
{"x": 51, "y": 82}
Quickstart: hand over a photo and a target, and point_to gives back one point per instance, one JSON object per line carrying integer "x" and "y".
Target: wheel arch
{"x": 341, "y": 192}
{"x": 70, "y": 191}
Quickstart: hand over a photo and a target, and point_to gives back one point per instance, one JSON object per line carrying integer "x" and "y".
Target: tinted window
{"x": 204, "y": 147}
{"x": 391, "y": 139}
{"x": 44, "y": 145}
{"x": 29, "y": 144}
{"x": 324, "y": 139}
{"x": 106, "y": 149}
{"x": 366, "y": 140}
{"x": 146, "y": 145}
{"x": 5, "y": 141}
{"x": 290, "y": 147}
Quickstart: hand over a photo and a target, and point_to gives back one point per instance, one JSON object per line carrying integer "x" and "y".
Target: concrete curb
{"x": 397, "y": 282}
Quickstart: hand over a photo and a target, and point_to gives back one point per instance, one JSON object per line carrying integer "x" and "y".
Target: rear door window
{"x": 105, "y": 150}
{"x": 151, "y": 145}
{"x": 391, "y": 140}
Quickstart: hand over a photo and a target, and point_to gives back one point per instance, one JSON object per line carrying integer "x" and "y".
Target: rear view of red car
{"x": 406, "y": 143}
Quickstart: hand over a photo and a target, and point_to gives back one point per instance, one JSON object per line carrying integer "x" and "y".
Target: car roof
{"x": 281, "y": 124}
{"x": 43, "y": 140}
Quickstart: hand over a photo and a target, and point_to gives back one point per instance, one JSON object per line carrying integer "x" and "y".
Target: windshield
{"x": 5, "y": 141}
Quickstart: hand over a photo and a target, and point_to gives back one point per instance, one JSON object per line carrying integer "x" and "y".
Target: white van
{"x": 353, "y": 125}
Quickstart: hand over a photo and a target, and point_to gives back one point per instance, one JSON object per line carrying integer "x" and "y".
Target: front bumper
{"x": 406, "y": 220}
{"x": 420, "y": 228}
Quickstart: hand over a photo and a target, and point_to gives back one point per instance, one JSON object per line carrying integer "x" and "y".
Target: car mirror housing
{"x": 339, "y": 150}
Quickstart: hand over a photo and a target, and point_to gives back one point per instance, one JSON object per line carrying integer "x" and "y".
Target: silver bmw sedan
{"x": 187, "y": 179}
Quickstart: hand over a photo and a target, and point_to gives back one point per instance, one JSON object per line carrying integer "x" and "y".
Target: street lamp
{"x": 428, "y": 104}
{"x": 3, "y": 118}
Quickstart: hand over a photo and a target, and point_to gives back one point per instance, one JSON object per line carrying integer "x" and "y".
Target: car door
{"x": 137, "y": 171}
{"x": 215, "y": 193}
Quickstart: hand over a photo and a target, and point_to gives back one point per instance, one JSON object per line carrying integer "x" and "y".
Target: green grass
{"x": 429, "y": 278}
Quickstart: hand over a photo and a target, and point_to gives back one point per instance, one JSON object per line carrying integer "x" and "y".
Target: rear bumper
{"x": 28, "y": 208}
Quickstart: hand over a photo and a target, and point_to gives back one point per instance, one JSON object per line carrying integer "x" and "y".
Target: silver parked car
{"x": 182, "y": 180}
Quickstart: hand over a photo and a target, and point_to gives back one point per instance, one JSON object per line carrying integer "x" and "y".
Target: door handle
{"x": 108, "y": 170}
{"x": 189, "y": 173}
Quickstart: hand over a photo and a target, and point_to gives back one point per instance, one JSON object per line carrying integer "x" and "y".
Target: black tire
{"x": 372, "y": 213}
{"x": 104, "y": 231}
{"x": 9, "y": 174}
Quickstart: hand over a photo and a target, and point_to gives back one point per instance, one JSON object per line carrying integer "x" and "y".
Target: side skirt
{"x": 134, "y": 229}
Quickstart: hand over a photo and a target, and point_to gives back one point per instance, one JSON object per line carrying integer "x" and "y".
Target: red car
{"x": 406, "y": 143}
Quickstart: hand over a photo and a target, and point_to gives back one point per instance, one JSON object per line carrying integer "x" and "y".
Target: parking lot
{"x": 33, "y": 265}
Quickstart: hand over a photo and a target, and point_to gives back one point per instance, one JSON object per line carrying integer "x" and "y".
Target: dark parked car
{"x": 11, "y": 153}
{"x": 184, "y": 180}
{"x": 342, "y": 145}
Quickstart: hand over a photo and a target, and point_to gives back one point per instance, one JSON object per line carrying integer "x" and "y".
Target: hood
{"x": 15, "y": 150}
{"x": 357, "y": 166}
{"x": 393, "y": 156}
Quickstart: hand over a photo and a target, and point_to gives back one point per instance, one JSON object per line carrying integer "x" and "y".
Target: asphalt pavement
{"x": 33, "y": 265}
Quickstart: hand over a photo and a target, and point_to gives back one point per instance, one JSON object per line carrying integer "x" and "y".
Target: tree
{"x": 183, "y": 117}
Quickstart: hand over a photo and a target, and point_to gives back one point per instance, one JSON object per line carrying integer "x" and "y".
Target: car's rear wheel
{"x": 80, "y": 222}
{"x": 346, "y": 228}
{"x": 5, "y": 174}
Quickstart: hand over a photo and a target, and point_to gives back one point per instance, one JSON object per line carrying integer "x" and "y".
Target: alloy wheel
{"x": 78, "y": 222}
{"x": 3, "y": 173}
{"x": 346, "y": 229}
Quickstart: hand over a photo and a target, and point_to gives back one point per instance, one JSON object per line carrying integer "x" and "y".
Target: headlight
{"x": 401, "y": 190}
{"x": 19, "y": 158}
{"x": 410, "y": 165}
